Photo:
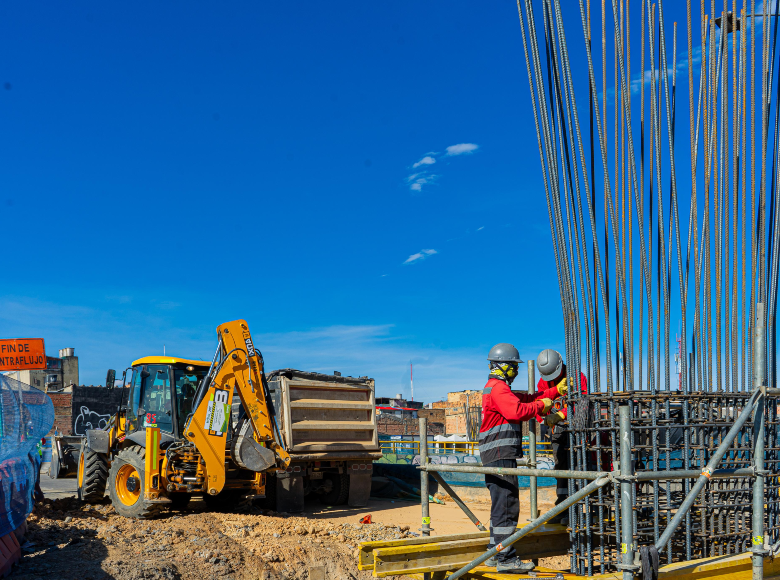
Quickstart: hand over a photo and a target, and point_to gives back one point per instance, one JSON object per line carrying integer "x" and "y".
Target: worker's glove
{"x": 547, "y": 406}
{"x": 562, "y": 387}
{"x": 554, "y": 418}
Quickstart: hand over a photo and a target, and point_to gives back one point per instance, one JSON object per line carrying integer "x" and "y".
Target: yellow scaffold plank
{"x": 738, "y": 566}
{"x": 734, "y": 567}
{"x": 442, "y": 553}
{"x": 540, "y": 572}
{"x": 366, "y": 550}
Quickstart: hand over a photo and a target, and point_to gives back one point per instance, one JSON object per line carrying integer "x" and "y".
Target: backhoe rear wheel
{"x": 92, "y": 476}
{"x": 126, "y": 485}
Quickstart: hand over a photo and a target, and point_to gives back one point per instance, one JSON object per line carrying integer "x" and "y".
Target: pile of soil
{"x": 73, "y": 541}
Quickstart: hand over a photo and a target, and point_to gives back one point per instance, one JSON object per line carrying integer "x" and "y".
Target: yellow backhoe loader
{"x": 177, "y": 432}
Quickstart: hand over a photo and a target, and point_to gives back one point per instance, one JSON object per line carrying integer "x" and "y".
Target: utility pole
{"x": 411, "y": 376}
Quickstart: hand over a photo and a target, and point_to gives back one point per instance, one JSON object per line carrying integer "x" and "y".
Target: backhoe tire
{"x": 92, "y": 476}
{"x": 339, "y": 492}
{"x": 126, "y": 485}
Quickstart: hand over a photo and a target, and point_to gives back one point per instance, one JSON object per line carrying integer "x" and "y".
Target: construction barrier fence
{"x": 26, "y": 415}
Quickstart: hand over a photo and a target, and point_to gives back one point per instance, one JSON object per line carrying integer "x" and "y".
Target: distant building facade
{"x": 397, "y": 407}
{"x": 60, "y": 372}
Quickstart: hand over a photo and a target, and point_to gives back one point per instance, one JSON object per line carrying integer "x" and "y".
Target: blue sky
{"x": 360, "y": 181}
{"x": 167, "y": 167}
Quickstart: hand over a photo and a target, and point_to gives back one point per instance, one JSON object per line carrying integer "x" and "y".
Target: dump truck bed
{"x": 325, "y": 417}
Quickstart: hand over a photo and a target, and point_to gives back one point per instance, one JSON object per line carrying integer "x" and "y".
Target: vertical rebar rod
{"x": 426, "y": 515}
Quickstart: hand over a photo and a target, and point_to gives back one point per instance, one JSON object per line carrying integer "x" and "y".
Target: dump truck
{"x": 328, "y": 426}
{"x": 227, "y": 432}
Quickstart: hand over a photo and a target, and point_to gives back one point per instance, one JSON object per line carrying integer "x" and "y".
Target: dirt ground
{"x": 72, "y": 541}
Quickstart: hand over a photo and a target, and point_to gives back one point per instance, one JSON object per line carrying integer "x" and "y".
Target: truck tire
{"x": 269, "y": 501}
{"x": 339, "y": 491}
{"x": 125, "y": 485}
{"x": 92, "y": 476}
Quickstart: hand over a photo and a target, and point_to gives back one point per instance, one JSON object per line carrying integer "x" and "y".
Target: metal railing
{"x": 445, "y": 447}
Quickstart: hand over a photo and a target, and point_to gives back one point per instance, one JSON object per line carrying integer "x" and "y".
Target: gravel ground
{"x": 71, "y": 541}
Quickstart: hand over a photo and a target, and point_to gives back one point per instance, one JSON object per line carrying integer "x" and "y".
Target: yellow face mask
{"x": 506, "y": 371}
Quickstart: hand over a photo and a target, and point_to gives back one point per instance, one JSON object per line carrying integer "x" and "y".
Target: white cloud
{"x": 461, "y": 148}
{"x": 417, "y": 180}
{"x": 421, "y": 255}
{"x": 682, "y": 65}
{"x": 480, "y": 228}
{"x": 427, "y": 160}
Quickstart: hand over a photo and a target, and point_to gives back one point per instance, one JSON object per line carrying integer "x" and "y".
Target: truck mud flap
{"x": 289, "y": 493}
{"x": 359, "y": 488}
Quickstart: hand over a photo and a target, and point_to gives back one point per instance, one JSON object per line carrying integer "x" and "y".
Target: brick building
{"x": 63, "y": 413}
{"x": 390, "y": 425}
{"x": 433, "y": 415}
{"x": 84, "y": 408}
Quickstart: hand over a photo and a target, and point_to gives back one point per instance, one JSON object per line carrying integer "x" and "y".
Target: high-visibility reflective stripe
{"x": 504, "y": 530}
{"x": 516, "y": 427}
{"x": 504, "y": 442}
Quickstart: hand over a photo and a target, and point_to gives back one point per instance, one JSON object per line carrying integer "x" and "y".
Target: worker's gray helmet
{"x": 504, "y": 352}
{"x": 550, "y": 364}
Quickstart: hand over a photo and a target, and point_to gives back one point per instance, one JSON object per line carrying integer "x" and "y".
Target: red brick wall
{"x": 63, "y": 410}
{"x": 389, "y": 425}
{"x": 433, "y": 415}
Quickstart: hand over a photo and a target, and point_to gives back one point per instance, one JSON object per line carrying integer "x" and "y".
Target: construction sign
{"x": 21, "y": 354}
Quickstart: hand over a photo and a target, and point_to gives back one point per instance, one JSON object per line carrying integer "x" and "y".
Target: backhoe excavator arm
{"x": 237, "y": 364}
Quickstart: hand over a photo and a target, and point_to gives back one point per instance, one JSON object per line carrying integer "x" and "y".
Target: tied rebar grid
{"x": 654, "y": 230}
{"x": 720, "y": 520}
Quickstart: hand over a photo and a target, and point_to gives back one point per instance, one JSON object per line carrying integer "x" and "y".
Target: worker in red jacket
{"x": 501, "y": 444}
{"x": 553, "y": 371}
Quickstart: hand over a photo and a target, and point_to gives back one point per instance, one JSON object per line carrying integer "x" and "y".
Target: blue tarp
{"x": 26, "y": 416}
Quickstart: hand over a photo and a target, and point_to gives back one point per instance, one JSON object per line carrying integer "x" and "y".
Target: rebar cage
{"x": 670, "y": 431}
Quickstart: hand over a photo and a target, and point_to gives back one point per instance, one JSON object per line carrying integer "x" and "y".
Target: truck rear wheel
{"x": 92, "y": 476}
{"x": 339, "y": 491}
{"x": 126, "y": 485}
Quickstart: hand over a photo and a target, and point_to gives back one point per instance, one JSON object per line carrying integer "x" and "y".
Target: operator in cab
{"x": 501, "y": 445}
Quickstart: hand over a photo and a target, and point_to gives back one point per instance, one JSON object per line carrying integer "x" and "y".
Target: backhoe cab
{"x": 173, "y": 434}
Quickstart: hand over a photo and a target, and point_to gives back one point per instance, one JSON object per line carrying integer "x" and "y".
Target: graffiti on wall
{"x": 89, "y": 420}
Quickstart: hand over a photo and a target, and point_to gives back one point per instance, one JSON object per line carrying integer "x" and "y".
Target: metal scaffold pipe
{"x": 425, "y": 530}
